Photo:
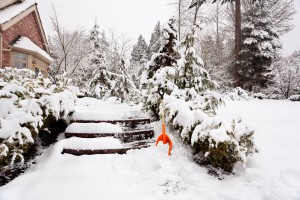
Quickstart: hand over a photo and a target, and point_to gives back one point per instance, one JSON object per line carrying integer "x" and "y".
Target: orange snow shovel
{"x": 163, "y": 137}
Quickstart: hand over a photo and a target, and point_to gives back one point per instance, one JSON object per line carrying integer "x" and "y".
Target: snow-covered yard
{"x": 149, "y": 173}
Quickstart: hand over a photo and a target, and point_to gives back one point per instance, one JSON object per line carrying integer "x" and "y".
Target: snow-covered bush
{"x": 190, "y": 103}
{"x": 295, "y": 98}
{"x": 224, "y": 145}
{"x": 237, "y": 94}
{"x": 218, "y": 142}
{"x": 259, "y": 96}
{"x": 26, "y": 106}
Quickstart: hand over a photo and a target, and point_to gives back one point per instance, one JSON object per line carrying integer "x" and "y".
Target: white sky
{"x": 131, "y": 17}
{"x": 291, "y": 41}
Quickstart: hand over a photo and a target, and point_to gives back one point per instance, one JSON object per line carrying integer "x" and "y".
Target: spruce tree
{"x": 123, "y": 85}
{"x": 163, "y": 62}
{"x": 260, "y": 47}
{"x": 189, "y": 104}
{"x": 191, "y": 73}
{"x": 139, "y": 52}
{"x": 155, "y": 41}
{"x": 100, "y": 83}
{"x": 104, "y": 42}
{"x": 167, "y": 54}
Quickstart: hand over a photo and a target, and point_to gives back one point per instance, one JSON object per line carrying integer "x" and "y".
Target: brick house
{"x": 23, "y": 43}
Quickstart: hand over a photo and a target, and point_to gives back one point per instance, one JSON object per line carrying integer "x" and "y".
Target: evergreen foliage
{"x": 101, "y": 79}
{"x": 28, "y": 107}
{"x": 190, "y": 105}
{"x": 155, "y": 41}
{"x": 139, "y": 50}
{"x": 167, "y": 54}
{"x": 138, "y": 59}
{"x": 260, "y": 47}
{"x": 123, "y": 86}
{"x": 166, "y": 60}
{"x": 191, "y": 73}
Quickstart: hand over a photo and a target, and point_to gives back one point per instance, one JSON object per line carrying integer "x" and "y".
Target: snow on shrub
{"x": 237, "y": 94}
{"x": 26, "y": 102}
{"x": 259, "y": 96}
{"x": 190, "y": 104}
{"x": 220, "y": 143}
{"x": 295, "y": 98}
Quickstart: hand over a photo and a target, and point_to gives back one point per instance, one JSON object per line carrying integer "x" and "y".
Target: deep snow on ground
{"x": 145, "y": 174}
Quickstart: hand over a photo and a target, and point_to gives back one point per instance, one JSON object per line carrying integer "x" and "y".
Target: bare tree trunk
{"x": 217, "y": 24}
{"x": 179, "y": 19}
{"x": 195, "y": 17}
{"x": 238, "y": 41}
{"x": 196, "y": 12}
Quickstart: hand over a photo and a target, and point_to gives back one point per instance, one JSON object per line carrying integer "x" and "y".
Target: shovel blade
{"x": 165, "y": 139}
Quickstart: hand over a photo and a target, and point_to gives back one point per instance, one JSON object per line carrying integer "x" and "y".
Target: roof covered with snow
{"x": 27, "y": 44}
{"x": 14, "y": 10}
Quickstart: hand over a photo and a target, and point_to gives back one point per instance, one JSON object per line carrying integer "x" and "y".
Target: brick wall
{"x": 28, "y": 27}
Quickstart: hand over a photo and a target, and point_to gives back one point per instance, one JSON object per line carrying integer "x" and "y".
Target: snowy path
{"x": 145, "y": 174}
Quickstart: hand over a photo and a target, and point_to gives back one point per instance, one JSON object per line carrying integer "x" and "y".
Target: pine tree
{"x": 104, "y": 42}
{"x": 190, "y": 105}
{"x": 165, "y": 62}
{"x": 167, "y": 54}
{"x": 155, "y": 41}
{"x": 191, "y": 73}
{"x": 100, "y": 83}
{"x": 260, "y": 47}
{"x": 124, "y": 85}
{"x": 139, "y": 52}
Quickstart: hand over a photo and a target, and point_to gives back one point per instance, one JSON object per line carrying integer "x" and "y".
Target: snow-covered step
{"x": 87, "y": 146}
{"x": 95, "y": 115}
{"x": 94, "y": 130}
{"x": 132, "y": 122}
{"x": 90, "y": 144}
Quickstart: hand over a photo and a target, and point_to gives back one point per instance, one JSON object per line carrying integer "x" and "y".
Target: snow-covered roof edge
{"x": 14, "y": 10}
{"x": 27, "y": 44}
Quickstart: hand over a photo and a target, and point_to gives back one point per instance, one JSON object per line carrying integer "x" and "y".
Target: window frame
{"x": 19, "y": 59}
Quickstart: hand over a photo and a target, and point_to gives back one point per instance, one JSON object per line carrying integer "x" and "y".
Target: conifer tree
{"x": 155, "y": 41}
{"x": 167, "y": 54}
{"x": 124, "y": 84}
{"x": 164, "y": 62}
{"x": 104, "y": 42}
{"x": 190, "y": 105}
{"x": 191, "y": 73}
{"x": 100, "y": 83}
{"x": 139, "y": 52}
{"x": 260, "y": 47}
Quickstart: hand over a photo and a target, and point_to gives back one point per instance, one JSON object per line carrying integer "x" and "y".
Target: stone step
{"x": 123, "y": 150}
{"x": 144, "y": 133}
{"x": 128, "y": 122}
{"x": 95, "y": 130}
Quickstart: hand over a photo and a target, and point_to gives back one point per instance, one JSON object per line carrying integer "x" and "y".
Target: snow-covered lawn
{"x": 145, "y": 174}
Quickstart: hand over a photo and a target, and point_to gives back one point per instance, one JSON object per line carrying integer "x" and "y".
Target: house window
{"x": 20, "y": 60}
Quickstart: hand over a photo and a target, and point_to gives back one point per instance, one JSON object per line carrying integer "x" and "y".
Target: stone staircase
{"x": 87, "y": 137}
